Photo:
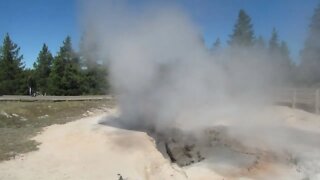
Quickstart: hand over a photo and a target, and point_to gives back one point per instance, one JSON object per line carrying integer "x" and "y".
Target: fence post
{"x": 317, "y": 102}
{"x": 294, "y": 98}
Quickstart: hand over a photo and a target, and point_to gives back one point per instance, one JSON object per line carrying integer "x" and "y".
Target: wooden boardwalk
{"x": 305, "y": 98}
{"x": 54, "y": 98}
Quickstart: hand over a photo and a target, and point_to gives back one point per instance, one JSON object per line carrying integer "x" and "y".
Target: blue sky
{"x": 31, "y": 23}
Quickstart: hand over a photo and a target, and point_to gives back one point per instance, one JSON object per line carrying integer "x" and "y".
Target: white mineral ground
{"x": 85, "y": 149}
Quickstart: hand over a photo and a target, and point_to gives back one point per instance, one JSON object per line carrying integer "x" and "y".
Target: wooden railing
{"x": 307, "y": 98}
{"x": 54, "y": 98}
{"x": 298, "y": 97}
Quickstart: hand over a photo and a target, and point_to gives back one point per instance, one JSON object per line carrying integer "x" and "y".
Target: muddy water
{"x": 223, "y": 155}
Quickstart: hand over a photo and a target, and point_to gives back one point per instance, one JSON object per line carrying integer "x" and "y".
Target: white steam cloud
{"x": 164, "y": 77}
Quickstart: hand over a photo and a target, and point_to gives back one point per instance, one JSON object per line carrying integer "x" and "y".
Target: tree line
{"x": 248, "y": 51}
{"x": 305, "y": 73}
{"x": 77, "y": 73}
{"x": 66, "y": 73}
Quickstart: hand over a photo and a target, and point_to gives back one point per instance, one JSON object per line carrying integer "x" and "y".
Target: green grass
{"x": 20, "y": 121}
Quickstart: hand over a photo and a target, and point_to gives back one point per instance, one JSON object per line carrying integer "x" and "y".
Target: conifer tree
{"x": 243, "y": 35}
{"x": 65, "y": 77}
{"x": 286, "y": 63}
{"x": 274, "y": 46}
{"x": 42, "y": 69}
{"x": 216, "y": 44}
{"x": 285, "y": 54}
{"x": 310, "y": 55}
{"x": 95, "y": 72}
{"x": 260, "y": 43}
{"x": 279, "y": 59}
{"x": 11, "y": 68}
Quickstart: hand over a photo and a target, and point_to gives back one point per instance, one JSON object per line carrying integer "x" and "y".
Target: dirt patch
{"x": 20, "y": 121}
{"x": 87, "y": 149}
{"x": 84, "y": 150}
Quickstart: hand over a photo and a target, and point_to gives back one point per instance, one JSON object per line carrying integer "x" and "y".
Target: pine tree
{"x": 279, "y": 59}
{"x": 284, "y": 51}
{"x": 274, "y": 46}
{"x": 42, "y": 69}
{"x": 286, "y": 63}
{"x": 96, "y": 73}
{"x": 243, "y": 35}
{"x": 260, "y": 43}
{"x": 216, "y": 45}
{"x": 29, "y": 74}
{"x": 65, "y": 77}
{"x": 11, "y": 68}
{"x": 310, "y": 55}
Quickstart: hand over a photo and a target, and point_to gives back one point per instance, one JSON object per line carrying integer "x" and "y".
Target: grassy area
{"x": 20, "y": 121}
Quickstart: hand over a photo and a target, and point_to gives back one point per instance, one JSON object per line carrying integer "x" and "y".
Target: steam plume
{"x": 164, "y": 77}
